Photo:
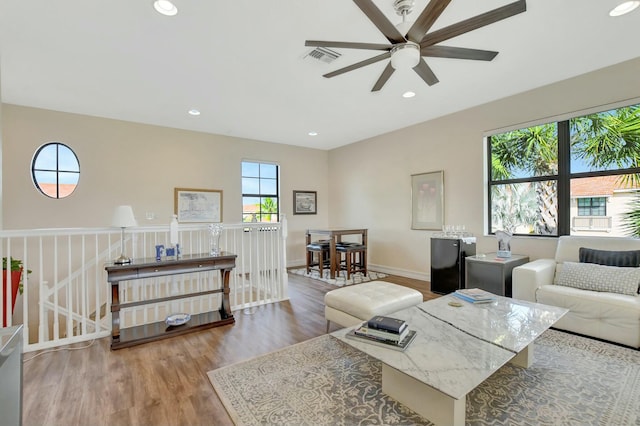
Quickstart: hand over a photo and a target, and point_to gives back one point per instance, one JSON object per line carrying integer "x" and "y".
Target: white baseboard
{"x": 300, "y": 263}
{"x": 401, "y": 272}
{"x": 296, "y": 263}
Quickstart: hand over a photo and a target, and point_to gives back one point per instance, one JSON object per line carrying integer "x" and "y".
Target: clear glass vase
{"x": 215, "y": 231}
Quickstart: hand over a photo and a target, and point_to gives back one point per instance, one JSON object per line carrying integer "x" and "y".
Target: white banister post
{"x": 43, "y": 317}
{"x": 285, "y": 275}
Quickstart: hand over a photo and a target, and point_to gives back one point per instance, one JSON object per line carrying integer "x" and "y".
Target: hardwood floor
{"x": 165, "y": 382}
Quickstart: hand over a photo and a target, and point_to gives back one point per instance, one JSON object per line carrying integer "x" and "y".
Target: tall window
{"x": 55, "y": 170}
{"x": 260, "y": 192}
{"x": 542, "y": 178}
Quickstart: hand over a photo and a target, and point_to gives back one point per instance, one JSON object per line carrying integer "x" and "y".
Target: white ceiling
{"x": 242, "y": 62}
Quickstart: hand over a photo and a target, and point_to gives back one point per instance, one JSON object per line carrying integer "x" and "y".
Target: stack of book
{"x": 475, "y": 295}
{"x": 385, "y": 331}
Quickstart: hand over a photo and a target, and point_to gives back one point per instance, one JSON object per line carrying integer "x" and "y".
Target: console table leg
{"x": 430, "y": 403}
{"x": 115, "y": 312}
{"x": 226, "y": 303}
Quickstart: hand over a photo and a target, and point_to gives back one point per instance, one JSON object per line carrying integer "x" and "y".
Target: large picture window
{"x": 577, "y": 176}
{"x": 260, "y": 192}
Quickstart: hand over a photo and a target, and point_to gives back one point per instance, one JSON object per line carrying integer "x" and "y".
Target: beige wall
{"x": 370, "y": 181}
{"x": 140, "y": 165}
{"x": 366, "y": 184}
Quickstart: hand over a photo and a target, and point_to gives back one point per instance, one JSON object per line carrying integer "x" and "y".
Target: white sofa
{"x": 610, "y": 316}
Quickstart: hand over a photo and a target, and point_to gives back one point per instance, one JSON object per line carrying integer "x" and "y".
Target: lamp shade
{"x": 123, "y": 217}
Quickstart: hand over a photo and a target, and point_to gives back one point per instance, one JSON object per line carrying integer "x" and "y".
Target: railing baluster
{"x": 7, "y": 308}
{"x": 70, "y": 308}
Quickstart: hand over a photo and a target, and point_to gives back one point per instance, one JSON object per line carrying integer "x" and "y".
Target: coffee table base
{"x": 430, "y": 403}
{"x": 524, "y": 358}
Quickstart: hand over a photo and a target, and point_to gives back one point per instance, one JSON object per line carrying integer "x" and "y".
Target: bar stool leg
{"x": 321, "y": 262}
{"x": 364, "y": 261}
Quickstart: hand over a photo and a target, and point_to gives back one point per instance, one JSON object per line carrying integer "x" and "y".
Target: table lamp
{"x": 123, "y": 218}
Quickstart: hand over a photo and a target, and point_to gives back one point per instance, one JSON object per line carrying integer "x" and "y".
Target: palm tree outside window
{"x": 260, "y": 192}
{"x": 534, "y": 172}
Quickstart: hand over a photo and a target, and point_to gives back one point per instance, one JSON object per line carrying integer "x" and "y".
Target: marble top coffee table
{"x": 456, "y": 349}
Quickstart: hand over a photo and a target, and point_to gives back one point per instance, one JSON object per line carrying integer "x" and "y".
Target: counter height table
{"x": 335, "y": 236}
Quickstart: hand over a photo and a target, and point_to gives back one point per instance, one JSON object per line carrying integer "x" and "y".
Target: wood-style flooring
{"x": 165, "y": 382}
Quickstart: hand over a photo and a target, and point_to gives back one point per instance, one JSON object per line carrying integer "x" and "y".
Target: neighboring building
{"x": 65, "y": 189}
{"x": 597, "y": 205}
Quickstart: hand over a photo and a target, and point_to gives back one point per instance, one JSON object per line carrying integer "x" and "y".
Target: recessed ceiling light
{"x": 408, "y": 94}
{"x": 194, "y": 112}
{"x": 313, "y": 133}
{"x": 624, "y": 8}
{"x": 165, "y": 7}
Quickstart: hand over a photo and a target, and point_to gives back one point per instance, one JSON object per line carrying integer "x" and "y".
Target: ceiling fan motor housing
{"x": 403, "y": 7}
{"x": 405, "y": 55}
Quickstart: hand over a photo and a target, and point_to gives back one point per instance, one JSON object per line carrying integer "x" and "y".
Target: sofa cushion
{"x": 590, "y": 276}
{"x": 609, "y": 316}
{"x": 630, "y": 258}
{"x": 569, "y": 245}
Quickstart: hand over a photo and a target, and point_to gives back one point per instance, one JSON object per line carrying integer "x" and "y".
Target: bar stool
{"x": 355, "y": 258}
{"x": 319, "y": 250}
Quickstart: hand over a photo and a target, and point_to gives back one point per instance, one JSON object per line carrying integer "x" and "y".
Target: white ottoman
{"x": 348, "y": 306}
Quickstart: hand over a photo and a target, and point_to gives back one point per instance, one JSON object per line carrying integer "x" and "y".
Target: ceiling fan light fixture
{"x": 624, "y": 8}
{"x": 405, "y": 56}
{"x": 408, "y": 94}
{"x": 165, "y": 7}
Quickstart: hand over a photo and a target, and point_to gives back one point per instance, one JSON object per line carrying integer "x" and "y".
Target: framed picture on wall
{"x": 198, "y": 205}
{"x": 427, "y": 200}
{"x": 305, "y": 202}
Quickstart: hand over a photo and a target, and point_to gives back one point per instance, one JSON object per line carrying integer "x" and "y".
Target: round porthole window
{"x": 55, "y": 170}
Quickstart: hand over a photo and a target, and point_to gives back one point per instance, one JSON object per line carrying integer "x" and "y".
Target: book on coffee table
{"x": 396, "y": 346}
{"x": 389, "y": 324}
{"x": 475, "y": 295}
{"x": 365, "y": 331}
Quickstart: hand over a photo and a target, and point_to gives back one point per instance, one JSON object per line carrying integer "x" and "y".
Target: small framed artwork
{"x": 305, "y": 202}
{"x": 427, "y": 200}
{"x": 198, "y": 205}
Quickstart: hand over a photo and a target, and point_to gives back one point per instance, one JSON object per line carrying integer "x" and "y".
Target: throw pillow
{"x": 590, "y": 276}
{"x": 629, "y": 258}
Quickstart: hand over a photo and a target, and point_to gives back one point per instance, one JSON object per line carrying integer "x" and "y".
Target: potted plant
{"x": 15, "y": 268}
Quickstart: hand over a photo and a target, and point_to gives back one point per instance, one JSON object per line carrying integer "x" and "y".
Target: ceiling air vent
{"x": 323, "y": 54}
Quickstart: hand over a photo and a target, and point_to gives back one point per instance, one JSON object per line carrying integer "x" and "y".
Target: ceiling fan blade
{"x": 474, "y": 23}
{"x": 425, "y": 72}
{"x": 380, "y": 21}
{"x": 359, "y": 65}
{"x": 427, "y": 18}
{"x": 347, "y": 45}
{"x": 458, "y": 53}
{"x": 383, "y": 77}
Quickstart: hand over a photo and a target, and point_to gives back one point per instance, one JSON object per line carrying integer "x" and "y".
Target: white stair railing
{"x": 66, "y": 297}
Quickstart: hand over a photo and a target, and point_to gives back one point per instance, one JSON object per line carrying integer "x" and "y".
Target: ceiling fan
{"x": 410, "y": 42}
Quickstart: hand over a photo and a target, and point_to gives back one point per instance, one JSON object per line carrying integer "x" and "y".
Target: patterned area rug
{"x": 341, "y": 279}
{"x": 573, "y": 381}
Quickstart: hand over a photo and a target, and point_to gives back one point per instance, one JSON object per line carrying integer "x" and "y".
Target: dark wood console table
{"x": 149, "y": 268}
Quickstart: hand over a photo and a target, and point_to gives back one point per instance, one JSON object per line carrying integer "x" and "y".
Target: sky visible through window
{"x": 260, "y": 197}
